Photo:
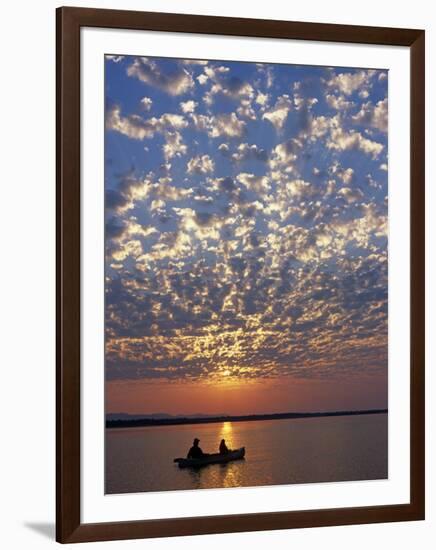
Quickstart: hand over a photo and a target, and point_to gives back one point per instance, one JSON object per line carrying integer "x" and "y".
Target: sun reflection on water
{"x": 226, "y": 429}
{"x": 230, "y": 475}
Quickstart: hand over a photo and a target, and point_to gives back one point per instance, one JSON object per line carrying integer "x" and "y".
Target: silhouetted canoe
{"x": 218, "y": 458}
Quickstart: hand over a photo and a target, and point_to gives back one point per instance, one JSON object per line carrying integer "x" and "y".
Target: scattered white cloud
{"x": 262, "y": 99}
{"x": 278, "y": 114}
{"x": 284, "y": 155}
{"x": 338, "y": 102}
{"x": 351, "y": 195}
{"x": 202, "y": 79}
{"x": 188, "y": 106}
{"x": 227, "y": 125}
{"x": 146, "y": 103}
{"x": 136, "y": 127}
{"x": 375, "y": 116}
{"x": 244, "y": 151}
{"x": 223, "y": 83}
{"x": 115, "y": 58}
{"x": 348, "y": 83}
{"x": 299, "y": 188}
{"x": 346, "y": 175}
{"x": 301, "y": 102}
{"x": 342, "y": 140}
{"x": 319, "y": 126}
{"x": 195, "y": 62}
{"x": 177, "y": 82}
{"x": 201, "y": 164}
{"x": 258, "y": 184}
{"x": 157, "y": 204}
{"x": 267, "y": 72}
{"x": 222, "y": 125}
{"x": 174, "y": 146}
{"x": 224, "y": 149}
{"x": 245, "y": 109}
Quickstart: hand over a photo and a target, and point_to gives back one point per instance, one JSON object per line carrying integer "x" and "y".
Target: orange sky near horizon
{"x": 253, "y": 397}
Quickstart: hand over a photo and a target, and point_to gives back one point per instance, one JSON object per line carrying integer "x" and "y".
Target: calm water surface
{"x": 308, "y": 450}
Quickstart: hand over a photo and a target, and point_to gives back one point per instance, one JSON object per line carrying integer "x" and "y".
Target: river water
{"x": 309, "y": 450}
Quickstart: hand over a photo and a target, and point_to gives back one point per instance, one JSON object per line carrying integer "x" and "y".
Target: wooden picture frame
{"x": 70, "y": 20}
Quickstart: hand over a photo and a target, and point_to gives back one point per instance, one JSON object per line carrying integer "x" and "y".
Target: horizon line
{"x": 172, "y": 419}
{"x": 186, "y": 415}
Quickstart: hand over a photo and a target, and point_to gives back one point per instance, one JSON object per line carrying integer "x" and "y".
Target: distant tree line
{"x": 129, "y": 423}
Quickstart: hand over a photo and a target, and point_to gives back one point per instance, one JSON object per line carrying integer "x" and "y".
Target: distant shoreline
{"x": 141, "y": 422}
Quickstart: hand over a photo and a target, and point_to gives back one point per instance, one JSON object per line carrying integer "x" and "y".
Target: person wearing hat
{"x": 195, "y": 451}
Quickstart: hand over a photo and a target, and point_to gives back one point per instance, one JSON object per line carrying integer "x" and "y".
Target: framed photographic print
{"x": 240, "y": 330}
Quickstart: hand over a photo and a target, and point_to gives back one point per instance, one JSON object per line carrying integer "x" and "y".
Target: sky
{"x": 246, "y": 212}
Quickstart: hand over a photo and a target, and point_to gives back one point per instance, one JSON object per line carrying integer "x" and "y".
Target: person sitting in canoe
{"x": 195, "y": 451}
{"x": 223, "y": 447}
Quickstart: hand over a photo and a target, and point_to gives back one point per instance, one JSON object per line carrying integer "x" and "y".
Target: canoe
{"x": 217, "y": 458}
